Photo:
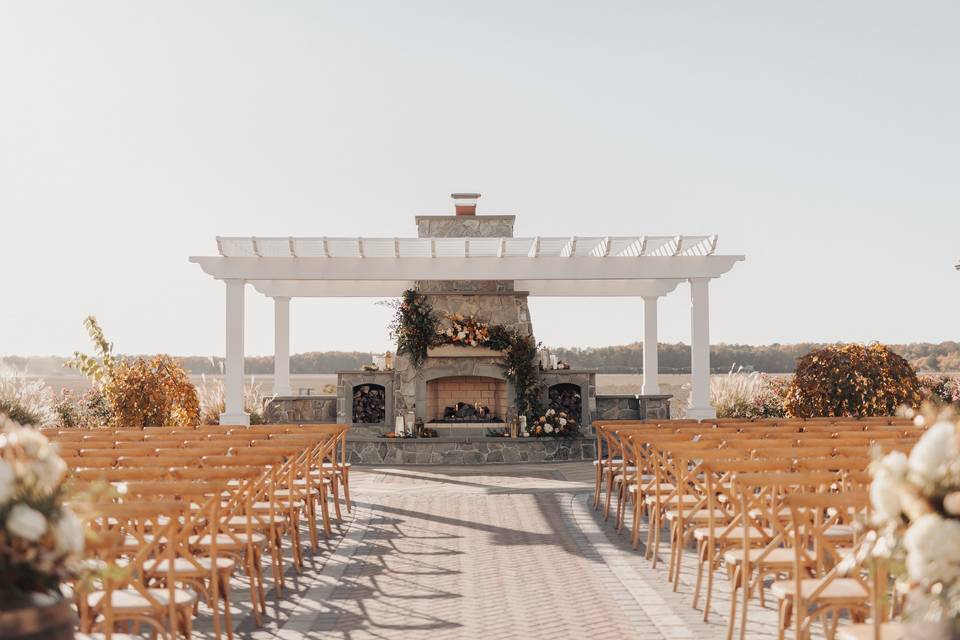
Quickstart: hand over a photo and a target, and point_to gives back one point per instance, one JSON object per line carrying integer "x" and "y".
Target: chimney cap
{"x": 465, "y": 204}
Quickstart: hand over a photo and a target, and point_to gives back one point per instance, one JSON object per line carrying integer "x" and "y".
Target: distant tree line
{"x": 925, "y": 357}
{"x": 774, "y": 358}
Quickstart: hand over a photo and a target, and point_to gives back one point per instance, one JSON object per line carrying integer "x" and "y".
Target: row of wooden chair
{"x": 179, "y": 511}
{"x": 785, "y": 500}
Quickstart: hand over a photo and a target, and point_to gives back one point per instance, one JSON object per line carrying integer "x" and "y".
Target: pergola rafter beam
{"x": 469, "y": 268}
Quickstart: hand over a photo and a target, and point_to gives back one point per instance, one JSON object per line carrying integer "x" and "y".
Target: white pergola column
{"x": 651, "y": 366}
{"x": 233, "y": 376}
{"x": 281, "y": 346}
{"x": 700, "y": 350}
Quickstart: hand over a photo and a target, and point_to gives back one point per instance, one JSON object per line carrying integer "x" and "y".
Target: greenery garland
{"x": 414, "y": 326}
{"x": 522, "y": 370}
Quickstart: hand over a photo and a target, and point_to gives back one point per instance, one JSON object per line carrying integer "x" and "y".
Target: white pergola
{"x": 644, "y": 266}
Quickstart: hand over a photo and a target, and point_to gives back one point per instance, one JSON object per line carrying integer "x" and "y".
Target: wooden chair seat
{"x": 234, "y": 542}
{"x": 285, "y": 493}
{"x": 837, "y": 591}
{"x": 340, "y": 465}
{"x": 103, "y": 636}
{"x": 302, "y": 482}
{"x": 131, "y": 600}
{"x": 257, "y": 521}
{"x": 183, "y": 566}
{"x": 700, "y": 515}
{"x": 779, "y": 558}
{"x": 671, "y": 500}
{"x": 664, "y": 488}
{"x": 735, "y": 536}
{"x": 603, "y": 463}
{"x": 888, "y": 631}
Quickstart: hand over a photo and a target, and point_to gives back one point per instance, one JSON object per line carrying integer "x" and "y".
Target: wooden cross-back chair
{"x": 828, "y": 578}
{"x": 234, "y": 534}
{"x": 263, "y": 519}
{"x": 123, "y": 595}
{"x": 717, "y": 536}
{"x": 765, "y": 532}
{"x": 200, "y": 568}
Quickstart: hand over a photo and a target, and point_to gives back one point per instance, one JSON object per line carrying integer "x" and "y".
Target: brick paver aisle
{"x": 484, "y": 552}
{"x": 447, "y": 554}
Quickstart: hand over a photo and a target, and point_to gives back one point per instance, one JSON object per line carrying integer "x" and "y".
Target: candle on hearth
{"x": 398, "y": 425}
{"x": 409, "y": 421}
{"x": 553, "y": 361}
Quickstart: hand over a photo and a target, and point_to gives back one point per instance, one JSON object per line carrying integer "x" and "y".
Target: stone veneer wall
{"x": 299, "y": 409}
{"x": 625, "y": 407}
{"x": 465, "y": 226}
{"x": 468, "y": 451}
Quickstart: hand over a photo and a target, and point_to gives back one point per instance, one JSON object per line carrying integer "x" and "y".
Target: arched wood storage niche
{"x": 369, "y": 403}
{"x": 567, "y": 397}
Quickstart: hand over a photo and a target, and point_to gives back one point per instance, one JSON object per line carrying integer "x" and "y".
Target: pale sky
{"x": 821, "y": 139}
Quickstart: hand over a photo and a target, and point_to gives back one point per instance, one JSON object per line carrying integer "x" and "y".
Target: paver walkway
{"x": 486, "y": 552}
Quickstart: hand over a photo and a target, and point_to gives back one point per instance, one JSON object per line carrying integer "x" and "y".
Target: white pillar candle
{"x": 553, "y": 361}
{"x": 398, "y": 424}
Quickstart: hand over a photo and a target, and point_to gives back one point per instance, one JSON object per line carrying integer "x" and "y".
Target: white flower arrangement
{"x": 41, "y": 538}
{"x": 465, "y": 331}
{"x": 553, "y": 423}
{"x": 916, "y": 513}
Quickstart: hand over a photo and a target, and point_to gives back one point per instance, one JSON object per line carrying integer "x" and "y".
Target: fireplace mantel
{"x": 456, "y": 351}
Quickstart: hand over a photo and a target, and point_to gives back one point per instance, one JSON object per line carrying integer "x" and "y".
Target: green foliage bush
{"x": 851, "y": 380}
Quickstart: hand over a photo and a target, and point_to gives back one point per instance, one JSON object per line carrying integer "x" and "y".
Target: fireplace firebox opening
{"x": 457, "y": 399}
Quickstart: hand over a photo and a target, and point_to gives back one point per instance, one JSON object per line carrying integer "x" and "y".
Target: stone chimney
{"x": 465, "y": 203}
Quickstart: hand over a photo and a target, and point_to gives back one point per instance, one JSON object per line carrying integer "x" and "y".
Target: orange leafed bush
{"x": 852, "y": 380}
{"x": 151, "y": 393}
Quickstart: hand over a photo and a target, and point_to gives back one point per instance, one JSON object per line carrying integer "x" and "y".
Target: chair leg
{"x": 225, "y": 594}
{"x": 345, "y": 473}
{"x": 312, "y": 521}
{"x": 710, "y": 570}
{"x": 745, "y": 594}
{"x": 701, "y": 558}
{"x": 325, "y": 510}
{"x": 597, "y": 484}
{"x": 335, "y": 492}
{"x": 734, "y": 586}
{"x": 606, "y": 508}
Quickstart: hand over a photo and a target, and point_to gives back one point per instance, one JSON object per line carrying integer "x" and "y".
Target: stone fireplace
{"x": 458, "y": 399}
{"x": 459, "y": 391}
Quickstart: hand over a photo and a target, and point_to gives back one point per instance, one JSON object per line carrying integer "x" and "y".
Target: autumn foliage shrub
{"x": 151, "y": 393}
{"x": 851, "y": 380}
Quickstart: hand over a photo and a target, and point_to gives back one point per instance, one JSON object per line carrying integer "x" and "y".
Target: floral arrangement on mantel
{"x": 553, "y": 424}
{"x": 465, "y": 331}
{"x": 916, "y": 505}
{"x": 41, "y": 538}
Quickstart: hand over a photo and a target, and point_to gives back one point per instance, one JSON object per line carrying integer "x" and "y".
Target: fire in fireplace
{"x": 457, "y": 399}
{"x": 466, "y": 412}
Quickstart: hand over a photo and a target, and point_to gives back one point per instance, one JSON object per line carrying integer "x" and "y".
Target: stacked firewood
{"x": 369, "y": 403}
{"x": 566, "y": 398}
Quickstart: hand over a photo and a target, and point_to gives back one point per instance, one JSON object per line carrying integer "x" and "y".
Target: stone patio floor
{"x": 484, "y": 552}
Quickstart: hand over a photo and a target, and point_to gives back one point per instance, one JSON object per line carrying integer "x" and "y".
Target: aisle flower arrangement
{"x": 41, "y": 538}
{"x": 553, "y": 424}
{"x": 465, "y": 331}
{"x": 916, "y": 506}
